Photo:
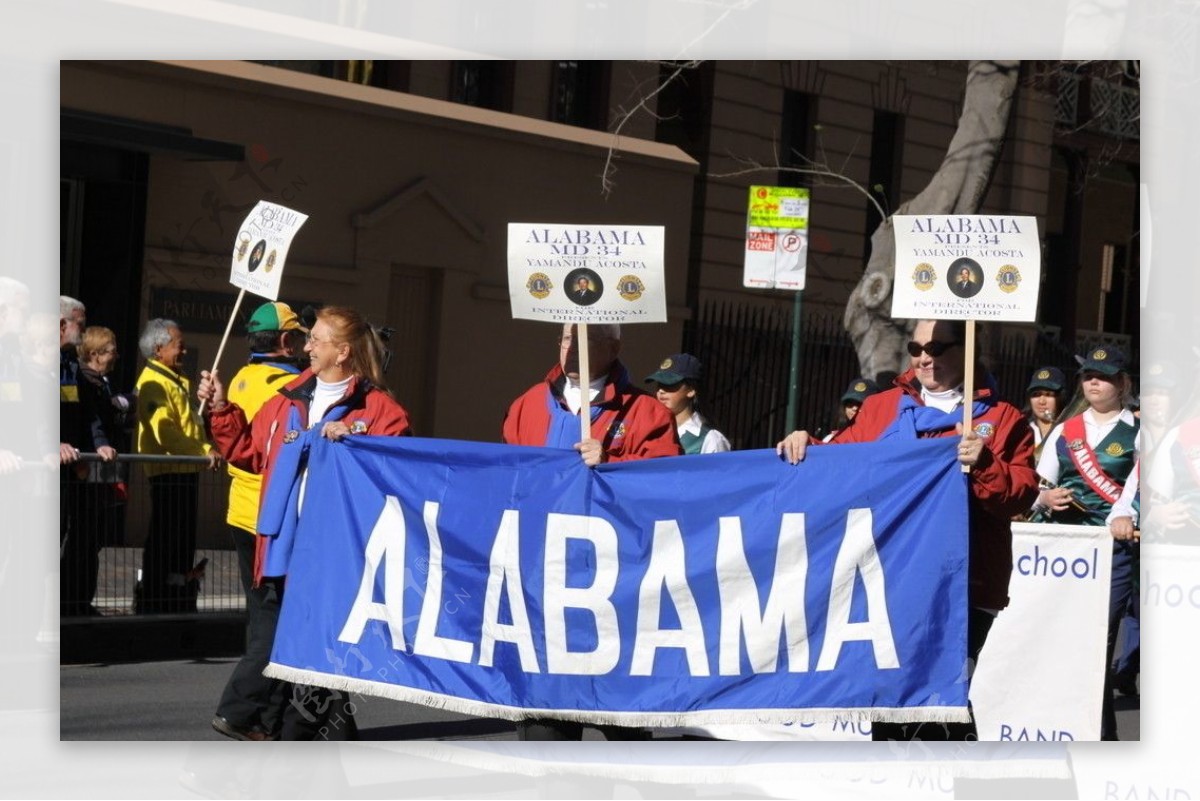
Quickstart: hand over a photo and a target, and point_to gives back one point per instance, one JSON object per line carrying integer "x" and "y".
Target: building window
{"x": 1117, "y": 283}
{"x": 796, "y": 137}
{"x": 486, "y": 84}
{"x": 884, "y": 172}
{"x": 579, "y": 94}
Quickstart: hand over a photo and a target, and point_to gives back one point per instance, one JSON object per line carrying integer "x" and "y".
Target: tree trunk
{"x": 958, "y": 187}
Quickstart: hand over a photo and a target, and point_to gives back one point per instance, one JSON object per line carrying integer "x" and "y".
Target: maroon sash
{"x": 1085, "y": 461}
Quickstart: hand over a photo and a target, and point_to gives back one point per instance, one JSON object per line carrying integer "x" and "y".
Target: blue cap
{"x": 678, "y": 367}
{"x": 1105, "y": 359}
{"x": 1048, "y": 377}
{"x": 859, "y": 389}
{"x": 1159, "y": 375}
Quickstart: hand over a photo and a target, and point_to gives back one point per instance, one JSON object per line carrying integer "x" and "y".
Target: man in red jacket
{"x": 927, "y": 402}
{"x": 627, "y": 424}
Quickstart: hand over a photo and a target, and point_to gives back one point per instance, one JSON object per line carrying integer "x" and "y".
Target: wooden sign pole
{"x": 585, "y": 379}
{"x": 225, "y": 338}
{"x": 968, "y": 380}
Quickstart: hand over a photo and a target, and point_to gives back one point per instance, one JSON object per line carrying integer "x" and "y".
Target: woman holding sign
{"x": 341, "y": 393}
{"x": 927, "y": 401}
{"x": 1087, "y": 461}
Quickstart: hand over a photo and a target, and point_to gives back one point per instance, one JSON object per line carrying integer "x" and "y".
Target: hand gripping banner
{"x": 515, "y": 582}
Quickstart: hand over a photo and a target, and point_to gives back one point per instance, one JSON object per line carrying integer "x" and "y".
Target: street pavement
{"x": 175, "y": 701}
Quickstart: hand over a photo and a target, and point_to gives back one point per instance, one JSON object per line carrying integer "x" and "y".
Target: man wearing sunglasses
{"x": 926, "y": 401}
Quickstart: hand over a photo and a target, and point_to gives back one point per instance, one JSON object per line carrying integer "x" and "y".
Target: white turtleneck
{"x": 946, "y": 401}
{"x": 572, "y": 396}
{"x": 324, "y": 396}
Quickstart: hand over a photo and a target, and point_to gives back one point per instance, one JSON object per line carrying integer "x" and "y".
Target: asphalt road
{"x": 175, "y": 700}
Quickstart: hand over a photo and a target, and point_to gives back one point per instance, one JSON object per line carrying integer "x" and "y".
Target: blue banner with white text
{"x": 515, "y": 582}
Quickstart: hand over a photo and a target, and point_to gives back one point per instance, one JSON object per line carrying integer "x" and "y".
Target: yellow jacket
{"x": 167, "y": 423}
{"x": 251, "y": 387}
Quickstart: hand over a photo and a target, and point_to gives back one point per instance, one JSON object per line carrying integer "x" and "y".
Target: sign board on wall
{"x": 776, "y": 238}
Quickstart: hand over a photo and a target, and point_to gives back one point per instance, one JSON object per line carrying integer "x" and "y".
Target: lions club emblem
{"x": 358, "y": 427}
{"x": 924, "y": 276}
{"x": 630, "y": 287}
{"x": 539, "y": 285}
{"x": 1009, "y": 278}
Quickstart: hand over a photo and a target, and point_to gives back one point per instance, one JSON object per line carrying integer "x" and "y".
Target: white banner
{"x": 566, "y": 273}
{"x": 1170, "y": 598}
{"x": 261, "y": 248}
{"x": 1041, "y": 673}
{"x": 966, "y": 267}
{"x": 776, "y": 238}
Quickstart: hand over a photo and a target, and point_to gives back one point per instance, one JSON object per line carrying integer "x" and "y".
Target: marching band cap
{"x": 1159, "y": 375}
{"x": 1048, "y": 377}
{"x": 678, "y": 367}
{"x": 859, "y": 388}
{"x": 1105, "y": 359}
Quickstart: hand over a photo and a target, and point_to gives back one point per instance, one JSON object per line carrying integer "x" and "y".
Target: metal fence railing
{"x": 133, "y": 544}
{"x": 746, "y": 352}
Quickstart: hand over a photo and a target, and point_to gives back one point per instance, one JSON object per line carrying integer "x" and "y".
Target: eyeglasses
{"x": 932, "y": 347}
{"x": 313, "y": 340}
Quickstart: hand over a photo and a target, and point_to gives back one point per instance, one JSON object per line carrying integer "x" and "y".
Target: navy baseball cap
{"x": 1105, "y": 359}
{"x": 1159, "y": 375}
{"x": 859, "y": 389}
{"x": 678, "y": 367}
{"x": 1050, "y": 378}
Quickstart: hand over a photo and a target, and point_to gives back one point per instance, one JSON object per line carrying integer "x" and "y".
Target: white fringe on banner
{"x": 466, "y": 706}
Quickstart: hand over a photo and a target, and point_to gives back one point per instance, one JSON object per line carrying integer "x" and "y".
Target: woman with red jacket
{"x": 926, "y": 401}
{"x": 341, "y": 393}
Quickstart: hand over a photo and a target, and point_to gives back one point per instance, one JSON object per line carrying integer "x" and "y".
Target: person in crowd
{"x": 31, "y": 475}
{"x": 108, "y": 415}
{"x": 677, "y": 384}
{"x": 72, "y": 321}
{"x": 851, "y": 401}
{"x": 73, "y": 428}
{"x": 1044, "y": 402}
{"x": 1086, "y": 461}
{"x": 1159, "y": 381}
{"x": 342, "y": 392}
{"x": 627, "y": 424}
{"x": 1156, "y": 400}
{"x": 168, "y": 425}
{"x": 251, "y": 705}
{"x": 926, "y": 401}
{"x": 1172, "y": 473}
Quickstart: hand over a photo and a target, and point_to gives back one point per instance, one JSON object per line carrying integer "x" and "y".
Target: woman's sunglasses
{"x": 933, "y": 348}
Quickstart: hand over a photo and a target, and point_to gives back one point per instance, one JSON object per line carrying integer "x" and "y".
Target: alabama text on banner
{"x": 513, "y": 582}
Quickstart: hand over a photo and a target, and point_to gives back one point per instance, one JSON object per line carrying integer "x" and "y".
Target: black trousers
{"x": 170, "y": 544}
{"x": 552, "y": 729}
{"x": 80, "y": 530}
{"x": 316, "y": 713}
{"x": 250, "y": 698}
{"x": 979, "y": 623}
